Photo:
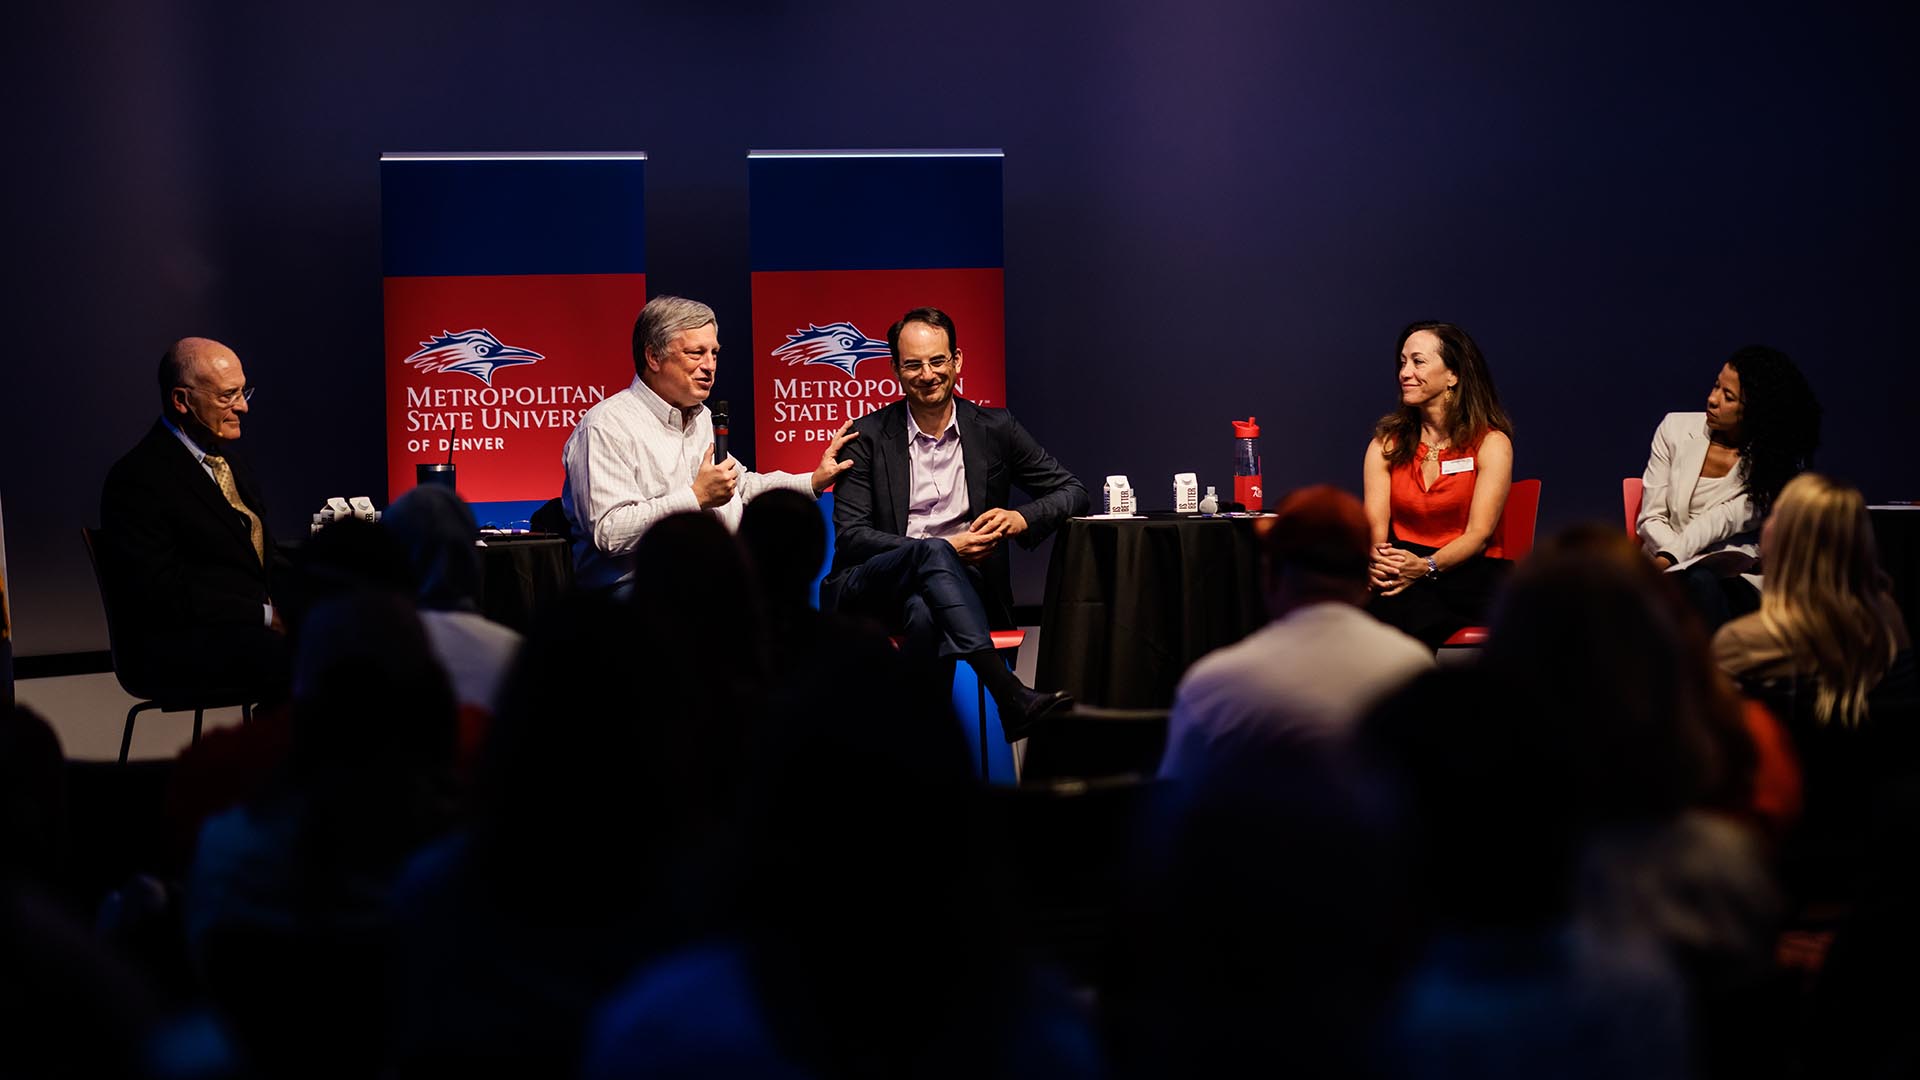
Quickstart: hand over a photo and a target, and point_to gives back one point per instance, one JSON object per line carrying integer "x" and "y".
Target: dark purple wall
{"x": 1212, "y": 210}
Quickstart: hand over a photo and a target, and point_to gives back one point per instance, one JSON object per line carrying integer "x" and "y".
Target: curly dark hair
{"x": 1476, "y": 404}
{"x": 1779, "y": 425}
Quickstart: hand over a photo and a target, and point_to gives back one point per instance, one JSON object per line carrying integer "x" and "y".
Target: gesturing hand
{"x": 831, "y": 466}
{"x": 713, "y": 484}
{"x": 1001, "y": 523}
{"x": 973, "y": 546}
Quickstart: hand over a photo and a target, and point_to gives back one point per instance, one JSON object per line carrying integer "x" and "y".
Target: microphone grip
{"x": 720, "y": 434}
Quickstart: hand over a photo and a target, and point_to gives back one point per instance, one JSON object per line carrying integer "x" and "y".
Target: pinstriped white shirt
{"x": 630, "y": 463}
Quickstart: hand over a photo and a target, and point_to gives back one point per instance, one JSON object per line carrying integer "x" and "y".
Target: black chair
{"x": 552, "y": 518}
{"x": 1088, "y": 742}
{"x": 1070, "y": 847}
{"x": 153, "y": 694}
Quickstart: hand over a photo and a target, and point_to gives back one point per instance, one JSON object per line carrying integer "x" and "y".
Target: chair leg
{"x": 197, "y": 714}
{"x": 1007, "y": 657}
{"x": 126, "y": 737}
{"x": 982, "y": 714}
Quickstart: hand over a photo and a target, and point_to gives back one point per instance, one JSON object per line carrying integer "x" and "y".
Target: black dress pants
{"x": 1434, "y": 608}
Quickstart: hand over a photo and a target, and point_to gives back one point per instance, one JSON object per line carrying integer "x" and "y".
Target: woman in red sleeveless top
{"x": 1437, "y": 473}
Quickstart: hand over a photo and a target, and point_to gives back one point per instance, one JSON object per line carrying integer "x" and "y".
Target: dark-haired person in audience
{"x": 437, "y": 528}
{"x": 920, "y": 518}
{"x": 72, "y": 1007}
{"x": 1830, "y": 652}
{"x": 647, "y": 452}
{"x": 1266, "y": 924}
{"x": 1712, "y": 477}
{"x": 287, "y": 900}
{"x": 240, "y": 763}
{"x": 786, "y": 541}
{"x": 188, "y": 557}
{"x": 1607, "y": 675}
{"x": 1508, "y": 978}
{"x": 1437, "y": 474}
{"x": 873, "y": 938}
{"x": 1309, "y": 675}
{"x": 606, "y": 793}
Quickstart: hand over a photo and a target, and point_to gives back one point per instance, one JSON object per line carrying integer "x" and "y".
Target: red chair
{"x": 1514, "y": 535}
{"x": 1630, "y": 502}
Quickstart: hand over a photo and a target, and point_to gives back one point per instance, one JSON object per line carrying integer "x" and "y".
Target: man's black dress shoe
{"x": 1033, "y": 707}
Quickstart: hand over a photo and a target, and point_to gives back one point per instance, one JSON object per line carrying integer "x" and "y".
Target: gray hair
{"x": 661, "y": 319}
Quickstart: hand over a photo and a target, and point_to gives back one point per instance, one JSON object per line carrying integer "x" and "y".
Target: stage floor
{"x": 88, "y": 713}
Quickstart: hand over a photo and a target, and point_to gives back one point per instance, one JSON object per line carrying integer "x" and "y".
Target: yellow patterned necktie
{"x": 223, "y": 475}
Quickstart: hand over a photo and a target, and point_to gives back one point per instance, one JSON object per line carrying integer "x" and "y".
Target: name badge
{"x": 1457, "y": 465}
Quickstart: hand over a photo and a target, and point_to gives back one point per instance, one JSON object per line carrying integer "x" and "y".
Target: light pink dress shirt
{"x": 937, "y": 505}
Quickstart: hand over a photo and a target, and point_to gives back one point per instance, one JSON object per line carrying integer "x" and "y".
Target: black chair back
{"x": 1095, "y": 742}
{"x": 99, "y": 558}
{"x": 552, "y": 518}
{"x": 1070, "y": 847}
{"x": 137, "y": 680}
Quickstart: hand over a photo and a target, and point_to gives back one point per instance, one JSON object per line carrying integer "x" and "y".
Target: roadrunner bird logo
{"x": 476, "y": 352}
{"x": 840, "y": 345}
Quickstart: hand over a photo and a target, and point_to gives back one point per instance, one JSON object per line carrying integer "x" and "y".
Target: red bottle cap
{"x": 1246, "y": 429}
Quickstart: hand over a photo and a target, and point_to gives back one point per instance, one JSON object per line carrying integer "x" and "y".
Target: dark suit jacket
{"x": 177, "y": 556}
{"x": 870, "y": 499}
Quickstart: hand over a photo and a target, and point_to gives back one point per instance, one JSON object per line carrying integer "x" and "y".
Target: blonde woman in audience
{"x": 1827, "y": 620}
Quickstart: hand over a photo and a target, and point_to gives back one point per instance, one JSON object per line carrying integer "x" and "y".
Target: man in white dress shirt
{"x": 647, "y": 452}
{"x": 1309, "y": 675}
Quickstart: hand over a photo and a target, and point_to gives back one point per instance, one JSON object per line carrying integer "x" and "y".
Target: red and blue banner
{"x": 511, "y": 285}
{"x": 844, "y": 243}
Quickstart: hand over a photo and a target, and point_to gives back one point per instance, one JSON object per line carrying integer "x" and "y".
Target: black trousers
{"x": 1719, "y": 600}
{"x": 925, "y": 590}
{"x": 214, "y": 661}
{"x": 1433, "y": 608}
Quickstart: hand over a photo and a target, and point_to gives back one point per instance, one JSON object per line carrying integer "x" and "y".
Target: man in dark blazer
{"x": 186, "y": 556}
{"x": 921, "y": 517}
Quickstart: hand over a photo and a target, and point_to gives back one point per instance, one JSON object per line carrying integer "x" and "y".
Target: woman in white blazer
{"x": 1711, "y": 478}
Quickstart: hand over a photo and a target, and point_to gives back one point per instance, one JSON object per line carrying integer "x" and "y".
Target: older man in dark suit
{"x": 186, "y": 552}
{"x": 920, "y": 518}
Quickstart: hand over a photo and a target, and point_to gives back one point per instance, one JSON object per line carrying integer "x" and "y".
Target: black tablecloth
{"x": 518, "y": 573}
{"x": 1131, "y": 603}
{"x": 1897, "y": 531}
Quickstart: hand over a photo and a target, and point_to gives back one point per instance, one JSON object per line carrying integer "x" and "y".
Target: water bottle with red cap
{"x": 1246, "y": 463}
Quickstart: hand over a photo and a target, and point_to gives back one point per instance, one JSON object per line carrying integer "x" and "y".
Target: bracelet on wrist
{"x": 1433, "y": 568}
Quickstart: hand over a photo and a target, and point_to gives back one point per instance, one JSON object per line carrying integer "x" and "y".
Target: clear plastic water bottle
{"x": 1246, "y": 463}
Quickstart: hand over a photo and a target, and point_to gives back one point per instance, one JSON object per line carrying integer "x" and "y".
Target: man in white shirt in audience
{"x": 647, "y": 452}
{"x": 1310, "y": 674}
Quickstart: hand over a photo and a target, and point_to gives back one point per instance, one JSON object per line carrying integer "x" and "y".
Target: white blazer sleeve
{"x": 1716, "y": 524}
{"x": 1658, "y": 534}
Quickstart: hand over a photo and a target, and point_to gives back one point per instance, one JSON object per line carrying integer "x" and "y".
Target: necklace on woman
{"x": 1433, "y": 452}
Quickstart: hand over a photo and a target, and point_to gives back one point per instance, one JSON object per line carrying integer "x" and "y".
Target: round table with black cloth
{"x": 518, "y": 574}
{"x": 1132, "y": 602}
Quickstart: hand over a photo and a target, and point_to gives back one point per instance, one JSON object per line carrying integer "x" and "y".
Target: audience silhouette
{"x": 709, "y": 831}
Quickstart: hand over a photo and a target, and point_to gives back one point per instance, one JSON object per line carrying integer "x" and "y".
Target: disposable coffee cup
{"x": 434, "y": 472}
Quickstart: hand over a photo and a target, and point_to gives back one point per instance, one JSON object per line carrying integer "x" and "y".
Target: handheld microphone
{"x": 719, "y": 433}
